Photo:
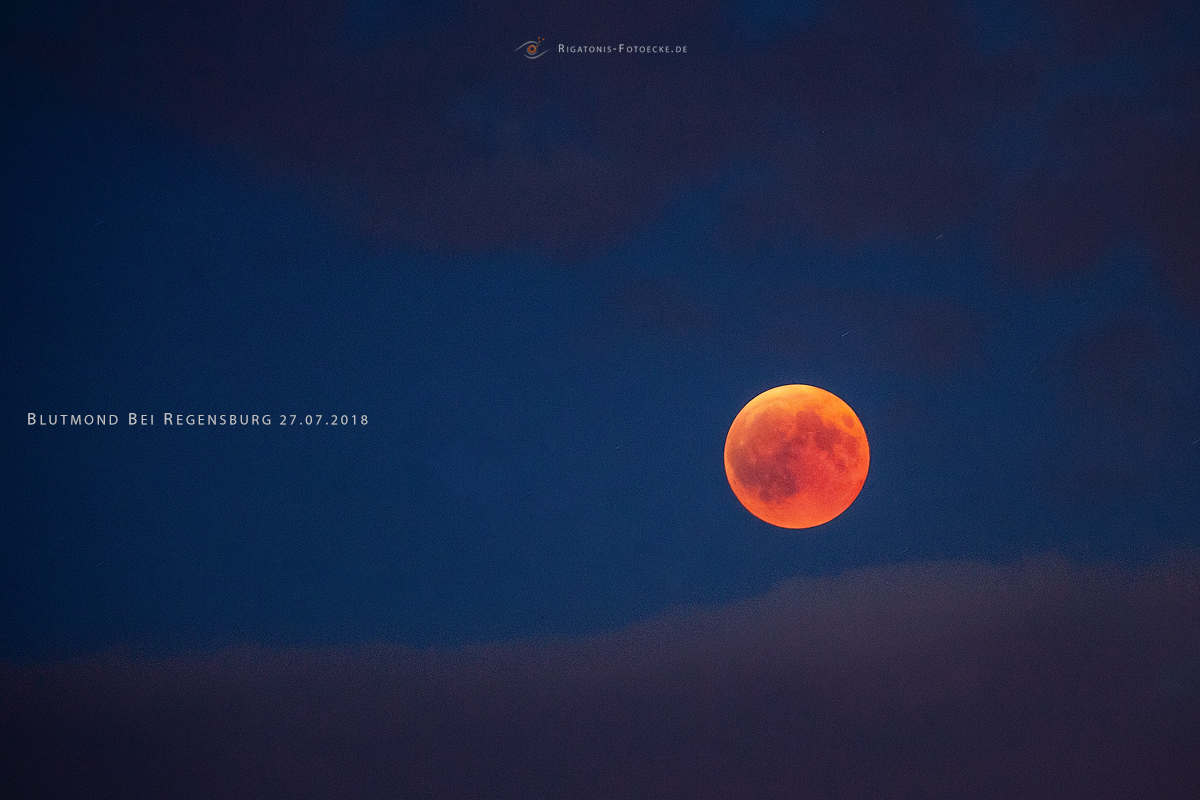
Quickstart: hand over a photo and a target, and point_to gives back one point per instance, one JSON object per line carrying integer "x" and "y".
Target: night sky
{"x": 544, "y": 288}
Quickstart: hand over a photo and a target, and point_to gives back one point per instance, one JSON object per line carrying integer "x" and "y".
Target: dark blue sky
{"x": 550, "y": 285}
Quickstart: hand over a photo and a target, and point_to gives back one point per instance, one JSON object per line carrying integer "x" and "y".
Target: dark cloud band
{"x": 951, "y": 679}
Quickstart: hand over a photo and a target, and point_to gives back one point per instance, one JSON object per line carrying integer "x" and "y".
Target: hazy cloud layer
{"x": 952, "y": 679}
{"x": 1064, "y": 128}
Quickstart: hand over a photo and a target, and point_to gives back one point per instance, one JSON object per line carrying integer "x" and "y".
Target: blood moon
{"x": 796, "y": 456}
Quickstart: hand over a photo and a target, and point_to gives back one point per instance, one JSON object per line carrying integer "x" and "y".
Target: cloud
{"x": 860, "y": 121}
{"x": 951, "y": 679}
{"x": 1112, "y": 171}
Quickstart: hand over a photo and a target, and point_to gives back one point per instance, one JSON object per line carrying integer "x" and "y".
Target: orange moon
{"x": 796, "y": 456}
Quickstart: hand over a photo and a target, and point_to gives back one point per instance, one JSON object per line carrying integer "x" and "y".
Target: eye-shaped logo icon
{"x": 533, "y": 48}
